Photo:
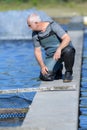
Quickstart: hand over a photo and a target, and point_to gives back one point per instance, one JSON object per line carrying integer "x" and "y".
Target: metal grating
{"x": 83, "y": 92}
{"x": 13, "y": 107}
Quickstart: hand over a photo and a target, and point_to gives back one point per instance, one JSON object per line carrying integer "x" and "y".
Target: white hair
{"x": 34, "y": 18}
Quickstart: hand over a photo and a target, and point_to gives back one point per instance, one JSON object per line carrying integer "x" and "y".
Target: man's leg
{"x": 53, "y": 67}
{"x": 68, "y": 56}
{"x": 58, "y": 70}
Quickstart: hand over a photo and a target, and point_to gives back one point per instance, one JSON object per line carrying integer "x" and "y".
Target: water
{"x": 18, "y": 69}
{"x": 83, "y": 92}
{"x": 18, "y": 29}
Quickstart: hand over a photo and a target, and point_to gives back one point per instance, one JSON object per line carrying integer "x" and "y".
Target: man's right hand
{"x": 44, "y": 70}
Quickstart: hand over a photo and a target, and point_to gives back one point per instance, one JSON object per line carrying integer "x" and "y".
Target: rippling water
{"x": 18, "y": 69}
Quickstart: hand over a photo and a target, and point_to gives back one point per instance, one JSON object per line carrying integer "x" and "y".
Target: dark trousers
{"x": 68, "y": 57}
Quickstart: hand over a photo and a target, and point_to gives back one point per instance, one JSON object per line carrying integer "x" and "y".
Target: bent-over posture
{"x": 58, "y": 48}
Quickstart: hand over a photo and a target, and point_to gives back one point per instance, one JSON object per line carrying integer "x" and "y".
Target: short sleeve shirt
{"x": 53, "y": 26}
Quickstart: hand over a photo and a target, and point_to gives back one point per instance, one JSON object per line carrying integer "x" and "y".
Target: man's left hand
{"x": 57, "y": 54}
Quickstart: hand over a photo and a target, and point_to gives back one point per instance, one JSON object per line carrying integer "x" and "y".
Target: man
{"x": 58, "y": 48}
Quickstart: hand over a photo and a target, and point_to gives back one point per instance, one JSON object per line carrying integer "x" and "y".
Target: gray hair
{"x": 34, "y": 18}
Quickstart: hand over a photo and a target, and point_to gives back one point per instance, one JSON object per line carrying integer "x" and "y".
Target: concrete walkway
{"x": 57, "y": 109}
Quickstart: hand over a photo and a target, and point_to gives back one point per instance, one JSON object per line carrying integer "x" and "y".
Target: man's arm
{"x": 38, "y": 55}
{"x": 65, "y": 41}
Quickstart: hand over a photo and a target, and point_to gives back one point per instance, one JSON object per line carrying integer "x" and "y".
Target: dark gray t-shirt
{"x": 51, "y": 43}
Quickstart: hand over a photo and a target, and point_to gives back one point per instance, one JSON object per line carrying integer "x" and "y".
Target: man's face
{"x": 33, "y": 26}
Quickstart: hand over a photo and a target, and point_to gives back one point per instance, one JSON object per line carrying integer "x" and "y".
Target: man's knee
{"x": 68, "y": 51}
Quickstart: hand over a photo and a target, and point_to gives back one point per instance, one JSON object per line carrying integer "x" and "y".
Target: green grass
{"x": 80, "y": 8}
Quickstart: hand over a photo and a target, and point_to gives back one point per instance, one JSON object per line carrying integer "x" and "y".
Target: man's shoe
{"x": 67, "y": 77}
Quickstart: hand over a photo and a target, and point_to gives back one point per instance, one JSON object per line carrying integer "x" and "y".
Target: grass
{"x": 52, "y": 8}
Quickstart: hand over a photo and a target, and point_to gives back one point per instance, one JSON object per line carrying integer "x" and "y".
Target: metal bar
{"x": 39, "y": 89}
{"x": 13, "y": 110}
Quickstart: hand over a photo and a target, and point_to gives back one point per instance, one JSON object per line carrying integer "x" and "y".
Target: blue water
{"x": 83, "y": 92}
{"x": 18, "y": 69}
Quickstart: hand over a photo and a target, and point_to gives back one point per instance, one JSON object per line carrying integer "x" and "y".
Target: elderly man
{"x": 58, "y": 48}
